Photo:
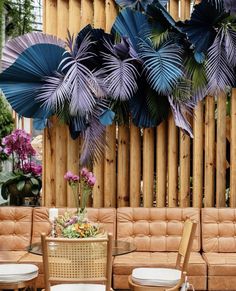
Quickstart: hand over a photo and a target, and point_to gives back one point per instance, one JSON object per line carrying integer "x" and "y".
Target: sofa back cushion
{"x": 156, "y": 229}
{"x": 105, "y": 217}
{"x": 15, "y": 228}
{"x": 219, "y": 230}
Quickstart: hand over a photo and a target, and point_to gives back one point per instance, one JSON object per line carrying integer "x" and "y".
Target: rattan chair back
{"x": 185, "y": 246}
{"x": 86, "y": 260}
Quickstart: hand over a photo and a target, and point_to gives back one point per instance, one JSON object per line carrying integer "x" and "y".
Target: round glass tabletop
{"x": 119, "y": 248}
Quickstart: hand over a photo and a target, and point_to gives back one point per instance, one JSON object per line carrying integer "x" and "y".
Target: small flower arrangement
{"x": 77, "y": 225}
{"x": 25, "y": 176}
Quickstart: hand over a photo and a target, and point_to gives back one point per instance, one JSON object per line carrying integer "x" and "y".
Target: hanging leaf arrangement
{"x": 150, "y": 65}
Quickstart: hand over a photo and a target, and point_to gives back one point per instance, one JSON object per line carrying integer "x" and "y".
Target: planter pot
{"x": 17, "y": 197}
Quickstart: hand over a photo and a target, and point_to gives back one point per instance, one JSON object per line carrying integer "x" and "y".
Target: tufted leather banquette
{"x": 156, "y": 233}
{"x": 219, "y": 247}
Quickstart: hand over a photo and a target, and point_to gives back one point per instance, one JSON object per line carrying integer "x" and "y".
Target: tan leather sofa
{"x": 21, "y": 226}
{"x": 156, "y": 232}
{"x": 219, "y": 247}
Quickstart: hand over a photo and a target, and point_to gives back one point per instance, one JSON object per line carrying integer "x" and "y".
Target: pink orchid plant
{"x": 25, "y": 170}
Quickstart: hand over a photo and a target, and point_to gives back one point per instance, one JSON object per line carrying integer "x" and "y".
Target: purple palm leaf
{"x": 181, "y": 111}
{"x": 120, "y": 71}
{"x": 54, "y": 93}
{"x": 81, "y": 82}
{"x": 16, "y": 46}
{"x": 220, "y": 72}
{"x": 93, "y": 144}
{"x": 230, "y": 46}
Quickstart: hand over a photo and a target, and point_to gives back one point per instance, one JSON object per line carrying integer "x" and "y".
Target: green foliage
{"x": 20, "y": 16}
{"x": 6, "y": 120}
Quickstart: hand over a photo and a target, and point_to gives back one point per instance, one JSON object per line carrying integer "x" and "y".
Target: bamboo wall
{"x": 149, "y": 167}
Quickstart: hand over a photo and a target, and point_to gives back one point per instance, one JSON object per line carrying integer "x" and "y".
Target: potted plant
{"x": 24, "y": 180}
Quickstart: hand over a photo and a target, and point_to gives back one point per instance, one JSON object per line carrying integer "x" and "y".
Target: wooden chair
{"x": 77, "y": 264}
{"x": 152, "y": 279}
{"x": 18, "y": 276}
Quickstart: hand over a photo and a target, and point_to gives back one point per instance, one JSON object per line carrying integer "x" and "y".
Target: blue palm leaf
{"x": 22, "y": 81}
{"x": 201, "y": 28}
{"x": 132, "y": 24}
{"x": 230, "y": 5}
{"x": 163, "y": 65}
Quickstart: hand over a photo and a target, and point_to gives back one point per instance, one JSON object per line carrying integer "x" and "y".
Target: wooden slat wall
{"x": 143, "y": 167}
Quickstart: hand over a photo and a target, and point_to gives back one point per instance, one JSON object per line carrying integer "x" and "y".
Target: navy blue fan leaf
{"x": 136, "y": 4}
{"x": 148, "y": 109}
{"x": 163, "y": 65}
{"x": 133, "y": 25}
{"x": 77, "y": 124}
{"x": 22, "y": 81}
{"x": 201, "y": 29}
{"x": 157, "y": 12}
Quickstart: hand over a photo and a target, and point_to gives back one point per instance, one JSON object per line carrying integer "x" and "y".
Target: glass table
{"x": 119, "y": 248}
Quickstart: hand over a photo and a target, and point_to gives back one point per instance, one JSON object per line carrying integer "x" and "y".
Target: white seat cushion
{"x": 78, "y": 287}
{"x": 156, "y": 276}
{"x": 10, "y": 273}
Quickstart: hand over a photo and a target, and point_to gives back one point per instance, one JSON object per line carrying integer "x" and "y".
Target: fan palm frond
{"x": 180, "y": 112}
{"x": 80, "y": 80}
{"x": 201, "y": 28}
{"x": 15, "y": 47}
{"x": 196, "y": 72}
{"x": 230, "y": 46}
{"x": 94, "y": 136}
{"x": 120, "y": 72}
{"x": 230, "y": 5}
{"x": 163, "y": 65}
{"x": 220, "y": 73}
{"x": 22, "y": 81}
{"x": 133, "y": 25}
{"x": 54, "y": 93}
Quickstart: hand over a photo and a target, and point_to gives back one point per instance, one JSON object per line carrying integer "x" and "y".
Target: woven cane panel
{"x": 77, "y": 261}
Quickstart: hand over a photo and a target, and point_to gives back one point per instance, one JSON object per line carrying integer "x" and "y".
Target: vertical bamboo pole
{"x": 172, "y": 163}
{"x": 73, "y": 145}
{"x": 184, "y": 195}
{"x": 61, "y": 130}
{"x": 74, "y": 16}
{"x": 148, "y": 166}
{"x": 209, "y": 178}
{"x": 110, "y": 168}
{"x": 174, "y": 8}
{"x": 98, "y": 191}
{"x": 86, "y": 13}
{"x": 233, "y": 151}
{"x": 161, "y": 162}
{"x": 49, "y": 186}
{"x": 198, "y": 156}
{"x": 123, "y": 166}
{"x": 221, "y": 151}
{"x": 185, "y": 9}
{"x": 135, "y": 166}
{"x": 173, "y": 137}
{"x": 184, "y": 140}
{"x": 110, "y": 151}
